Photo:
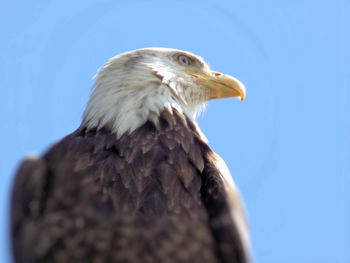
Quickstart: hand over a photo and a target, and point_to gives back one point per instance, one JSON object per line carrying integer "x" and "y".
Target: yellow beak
{"x": 221, "y": 85}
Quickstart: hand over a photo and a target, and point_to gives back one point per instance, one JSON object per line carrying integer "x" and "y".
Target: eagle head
{"x": 136, "y": 86}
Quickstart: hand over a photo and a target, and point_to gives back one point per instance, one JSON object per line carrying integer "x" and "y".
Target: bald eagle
{"x": 136, "y": 182}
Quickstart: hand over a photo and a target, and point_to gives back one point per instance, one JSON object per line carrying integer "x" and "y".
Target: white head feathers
{"x": 136, "y": 86}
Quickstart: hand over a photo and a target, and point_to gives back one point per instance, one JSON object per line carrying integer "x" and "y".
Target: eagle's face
{"x": 136, "y": 86}
{"x": 188, "y": 76}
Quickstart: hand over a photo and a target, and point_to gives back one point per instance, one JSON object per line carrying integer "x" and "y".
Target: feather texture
{"x": 154, "y": 195}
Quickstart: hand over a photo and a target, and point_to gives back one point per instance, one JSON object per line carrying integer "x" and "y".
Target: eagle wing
{"x": 27, "y": 201}
{"x": 225, "y": 209}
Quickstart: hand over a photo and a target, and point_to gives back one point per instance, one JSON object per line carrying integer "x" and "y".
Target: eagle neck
{"x": 123, "y": 110}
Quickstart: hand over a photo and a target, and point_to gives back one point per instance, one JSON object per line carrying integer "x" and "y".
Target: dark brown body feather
{"x": 152, "y": 196}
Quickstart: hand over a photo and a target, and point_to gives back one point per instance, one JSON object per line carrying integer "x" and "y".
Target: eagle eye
{"x": 183, "y": 60}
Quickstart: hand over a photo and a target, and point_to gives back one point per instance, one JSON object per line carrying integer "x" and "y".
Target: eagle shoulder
{"x": 27, "y": 202}
{"x": 225, "y": 210}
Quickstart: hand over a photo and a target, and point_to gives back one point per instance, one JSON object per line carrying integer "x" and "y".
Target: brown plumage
{"x": 154, "y": 195}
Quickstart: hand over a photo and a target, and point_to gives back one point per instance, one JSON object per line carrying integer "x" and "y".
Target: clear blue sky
{"x": 287, "y": 145}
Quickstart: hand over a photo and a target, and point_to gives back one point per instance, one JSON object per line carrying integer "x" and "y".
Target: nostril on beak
{"x": 217, "y": 74}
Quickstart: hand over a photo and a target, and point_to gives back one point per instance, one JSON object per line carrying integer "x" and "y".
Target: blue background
{"x": 287, "y": 145}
